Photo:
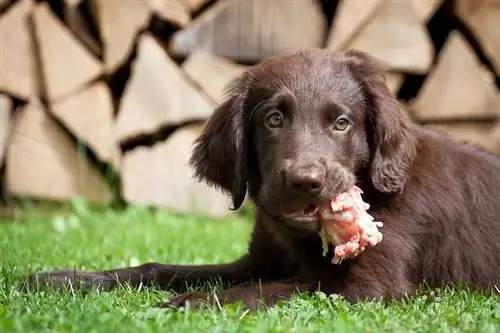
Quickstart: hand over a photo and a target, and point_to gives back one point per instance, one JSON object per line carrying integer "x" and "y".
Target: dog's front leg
{"x": 167, "y": 276}
{"x": 253, "y": 294}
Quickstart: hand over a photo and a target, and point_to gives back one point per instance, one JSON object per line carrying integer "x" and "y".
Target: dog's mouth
{"x": 309, "y": 214}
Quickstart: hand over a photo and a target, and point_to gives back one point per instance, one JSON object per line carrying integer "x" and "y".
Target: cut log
{"x": 459, "y": 87}
{"x": 42, "y": 162}
{"x": 88, "y": 115}
{"x": 76, "y": 23}
{"x": 486, "y": 135}
{"x": 66, "y": 65}
{"x": 160, "y": 176}
{"x": 350, "y": 19}
{"x": 253, "y": 30}
{"x": 426, "y": 8}
{"x": 394, "y": 81}
{"x": 398, "y": 36}
{"x": 17, "y": 75}
{"x": 119, "y": 25}
{"x": 4, "y": 4}
{"x": 212, "y": 73}
{"x": 5, "y": 123}
{"x": 157, "y": 94}
{"x": 194, "y": 5}
{"x": 483, "y": 17}
{"x": 173, "y": 11}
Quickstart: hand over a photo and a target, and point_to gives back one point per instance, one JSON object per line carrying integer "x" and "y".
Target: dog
{"x": 292, "y": 132}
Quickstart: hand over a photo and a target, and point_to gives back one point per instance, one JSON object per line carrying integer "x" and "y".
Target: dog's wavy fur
{"x": 438, "y": 198}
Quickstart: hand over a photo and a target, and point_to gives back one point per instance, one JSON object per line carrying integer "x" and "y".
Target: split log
{"x": 66, "y": 65}
{"x": 4, "y": 4}
{"x": 394, "y": 81}
{"x": 160, "y": 176}
{"x": 17, "y": 75}
{"x": 119, "y": 23}
{"x": 426, "y": 8}
{"x": 250, "y": 31}
{"x": 194, "y": 5}
{"x": 485, "y": 135}
{"x": 157, "y": 94}
{"x": 76, "y": 23}
{"x": 398, "y": 36}
{"x": 42, "y": 162}
{"x": 459, "y": 87}
{"x": 173, "y": 11}
{"x": 212, "y": 73}
{"x": 483, "y": 17}
{"x": 350, "y": 19}
{"x": 88, "y": 115}
{"x": 5, "y": 123}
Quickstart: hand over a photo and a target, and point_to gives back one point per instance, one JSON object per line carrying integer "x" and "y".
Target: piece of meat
{"x": 346, "y": 224}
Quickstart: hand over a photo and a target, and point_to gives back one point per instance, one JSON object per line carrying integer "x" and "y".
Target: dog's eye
{"x": 274, "y": 120}
{"x": 341, "y": 124}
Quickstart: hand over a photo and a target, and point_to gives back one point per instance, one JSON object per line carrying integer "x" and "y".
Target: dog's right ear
{"x": 219, "y": 157}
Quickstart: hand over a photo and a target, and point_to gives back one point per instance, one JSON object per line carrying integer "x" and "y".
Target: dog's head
{"x": 298, "y": 129}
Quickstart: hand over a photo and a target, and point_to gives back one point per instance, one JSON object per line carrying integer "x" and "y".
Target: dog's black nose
{"x": 306, "y": 180}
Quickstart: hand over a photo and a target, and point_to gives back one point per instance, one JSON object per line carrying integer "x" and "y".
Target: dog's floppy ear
{"x": 219, "y": 156}
{"x": 391, "y": 134}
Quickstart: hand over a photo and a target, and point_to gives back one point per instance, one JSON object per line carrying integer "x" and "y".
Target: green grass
{"x": 99, "y": 239}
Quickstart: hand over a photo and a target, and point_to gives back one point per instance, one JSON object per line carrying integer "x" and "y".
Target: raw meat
{"x": 346, "y": 224}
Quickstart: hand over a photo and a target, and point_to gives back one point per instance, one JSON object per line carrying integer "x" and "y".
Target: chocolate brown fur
{"x": 438, "y": 199}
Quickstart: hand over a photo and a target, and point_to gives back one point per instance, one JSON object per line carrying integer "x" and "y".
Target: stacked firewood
{"x": 150, "y": 73}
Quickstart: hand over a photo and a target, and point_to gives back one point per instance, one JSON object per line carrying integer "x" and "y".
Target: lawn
{"x": 96, "y": 239}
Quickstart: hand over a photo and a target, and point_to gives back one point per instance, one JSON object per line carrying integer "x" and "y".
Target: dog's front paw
{"x": 192, "y": 300}
{"x": 252, "y": 298}
{"x": 67, "y": 279}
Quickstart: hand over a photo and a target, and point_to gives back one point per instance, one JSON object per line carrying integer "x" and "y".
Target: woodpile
{"x": 95, "y": 88}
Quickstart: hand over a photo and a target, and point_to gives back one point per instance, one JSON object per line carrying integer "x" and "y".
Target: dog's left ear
{"x": 219, "y": 156}
{"x": 392, "y": 138}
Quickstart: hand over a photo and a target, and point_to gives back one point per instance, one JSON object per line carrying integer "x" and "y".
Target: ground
{"x": 84, "y": 238}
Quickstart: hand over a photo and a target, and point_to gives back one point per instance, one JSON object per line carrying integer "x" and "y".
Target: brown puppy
{"x": 298, "y": 129}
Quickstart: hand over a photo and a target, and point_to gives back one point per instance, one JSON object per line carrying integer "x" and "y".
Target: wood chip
{"x": 483, "y": 17}
{"x": 426, "y": 8}
{"x": 160, "y": 176}
{"x": 253, "y": 30}
{"x": 5, "y": 123}
{"x": 66, "y": 65}
{"x": 119, "y": 24}
{"x": 88, "y": 115}
{"x": 77, "y": 24}
{"x": 350, "y": 19}
{"x": 42, "y": 162}
{"x": 73, "y": 2}
{"x": 394, "y": 81}
{"x": 173, "y": 11}
{"x": 212, "y": 73}
{"x": 398, "y": 36}
{"x": 4, "y": 3}
{"x": 17, "y": 74}
{"x": 194, "y": 5}
{"x": 157, "y": 94}
{"x": 459, "y": 87}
